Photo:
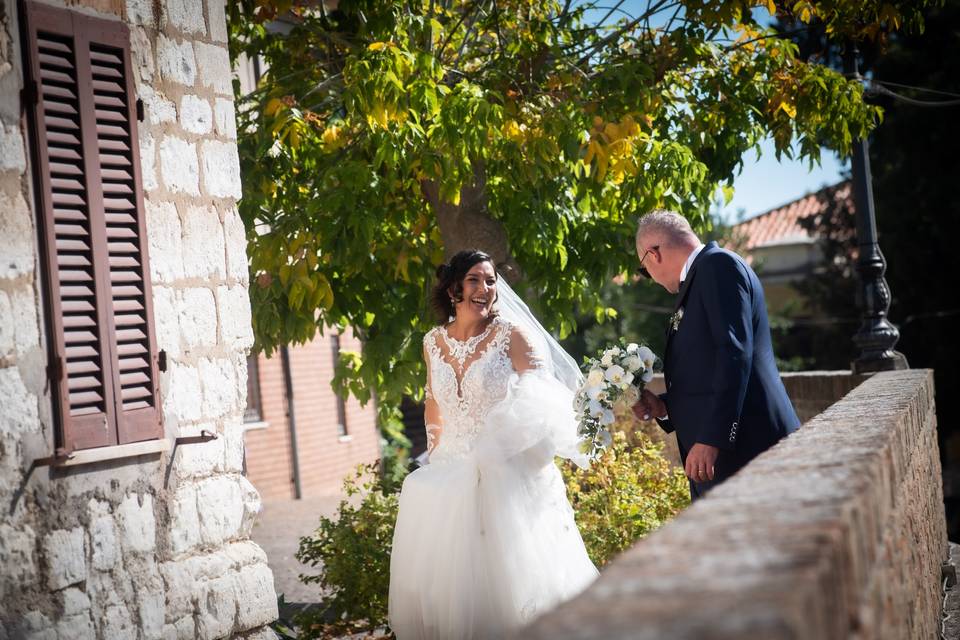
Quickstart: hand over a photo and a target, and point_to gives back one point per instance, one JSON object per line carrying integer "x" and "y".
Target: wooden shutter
{"x": 87, "y": 169}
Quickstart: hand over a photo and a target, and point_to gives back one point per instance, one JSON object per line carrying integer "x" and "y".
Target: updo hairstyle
{"x": 450, "y": 281}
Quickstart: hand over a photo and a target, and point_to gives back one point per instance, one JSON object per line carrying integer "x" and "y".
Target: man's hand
{"x": 649, "y": 406}
{"x": 700, "y": 462}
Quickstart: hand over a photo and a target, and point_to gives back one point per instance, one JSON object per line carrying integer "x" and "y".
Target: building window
{"x": 341, "y": 403}
{"x": 103, "y": 358}
{"x": 254, "y": 412}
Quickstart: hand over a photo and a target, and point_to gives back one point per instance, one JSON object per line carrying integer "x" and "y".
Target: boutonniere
{"x": 675, "y": 320}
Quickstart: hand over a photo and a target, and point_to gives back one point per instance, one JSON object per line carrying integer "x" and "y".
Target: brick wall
{"x": 156, "y": 545}
{"x": 837, "y": 532}
{"x": 325, "y": 457}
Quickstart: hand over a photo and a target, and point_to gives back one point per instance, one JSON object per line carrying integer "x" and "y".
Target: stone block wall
{"x": 838, "y": 532}
{"x": 155, "y": 546}
{"x": 813, "y": 391}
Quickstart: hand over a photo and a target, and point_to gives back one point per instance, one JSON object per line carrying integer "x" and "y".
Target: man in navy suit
{"x": 724, "y": 397}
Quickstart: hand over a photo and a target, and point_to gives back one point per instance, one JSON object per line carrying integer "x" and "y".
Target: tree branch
{"x": 622, "y": 30}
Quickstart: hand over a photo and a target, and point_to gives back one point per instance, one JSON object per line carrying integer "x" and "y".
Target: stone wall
{"x": 813, "y": 391}
{"x": 155, "y": 546}
{"x": 836, "y": 532}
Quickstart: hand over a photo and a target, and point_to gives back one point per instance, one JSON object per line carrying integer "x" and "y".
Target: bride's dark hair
{"x": 450, "y": 281}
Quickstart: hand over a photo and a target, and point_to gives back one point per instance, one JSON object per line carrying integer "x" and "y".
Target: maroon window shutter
{"x": 115, "y": 130}
{"x": 71, "y": 225}
{"x": 103, "y": 351}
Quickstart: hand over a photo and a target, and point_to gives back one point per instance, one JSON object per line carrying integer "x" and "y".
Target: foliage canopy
{"x": 386, "y": 134}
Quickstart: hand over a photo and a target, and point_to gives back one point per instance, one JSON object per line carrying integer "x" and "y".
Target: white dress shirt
{"x": 686, "y": 266}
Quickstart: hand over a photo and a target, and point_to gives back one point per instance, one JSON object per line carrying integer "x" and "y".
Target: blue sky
{"x": 764, "y": 183}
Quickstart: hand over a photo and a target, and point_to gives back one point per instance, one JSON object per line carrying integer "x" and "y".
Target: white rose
{"x": 646, "y": 355}
{"x": 633, "y": 363}
{"x": 633, "y": 346}
{"x": 607, "y": 359}
{"x": 595, "y": 377}
{"x": 614, "y": 374}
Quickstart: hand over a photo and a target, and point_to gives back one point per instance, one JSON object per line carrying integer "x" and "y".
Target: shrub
{"x": 352, "y": 550}
{"x": 628, "y": 491}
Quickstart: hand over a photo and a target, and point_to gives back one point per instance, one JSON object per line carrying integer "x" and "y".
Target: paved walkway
{"x": 278, "y": 530}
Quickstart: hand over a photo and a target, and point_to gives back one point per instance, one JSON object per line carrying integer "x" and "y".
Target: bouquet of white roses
{"x": 613, "y": 384}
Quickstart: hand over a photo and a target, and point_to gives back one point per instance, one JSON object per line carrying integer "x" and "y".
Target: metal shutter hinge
{"x": 140, "y": 116}
{"x": 59, "y": 456}
{"x": 162, "y": 360}
{"x": 205, "y": 436}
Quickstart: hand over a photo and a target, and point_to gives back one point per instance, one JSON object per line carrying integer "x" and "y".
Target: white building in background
{"x": 783, "y": 249}
{"x": 124, "y": 328}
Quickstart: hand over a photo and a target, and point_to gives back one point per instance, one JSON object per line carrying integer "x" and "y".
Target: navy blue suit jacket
{"x": 723, "y": 387}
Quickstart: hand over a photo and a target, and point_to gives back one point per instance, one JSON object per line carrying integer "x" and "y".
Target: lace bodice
{"x": 466, "y": 379}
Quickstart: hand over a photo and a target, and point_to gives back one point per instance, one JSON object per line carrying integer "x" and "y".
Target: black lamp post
{"x": 876, "y": 337}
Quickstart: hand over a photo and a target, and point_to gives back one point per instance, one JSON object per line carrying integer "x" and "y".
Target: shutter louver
{"x": 88, "y": 169}
{"x": 115, "y": 114}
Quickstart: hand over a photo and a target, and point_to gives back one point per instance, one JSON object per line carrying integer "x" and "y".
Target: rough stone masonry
{"x": 155, "y": 546}
{"x": 836, "y": 533}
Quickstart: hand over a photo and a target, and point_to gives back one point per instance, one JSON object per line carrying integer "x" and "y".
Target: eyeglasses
{"x": 643, "y": 270}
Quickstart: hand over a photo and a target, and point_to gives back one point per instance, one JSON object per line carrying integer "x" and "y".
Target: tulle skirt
{"x": 486, "y": 541}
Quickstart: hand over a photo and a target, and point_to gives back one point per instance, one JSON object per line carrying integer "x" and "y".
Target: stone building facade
{"x": 148, "y": 535}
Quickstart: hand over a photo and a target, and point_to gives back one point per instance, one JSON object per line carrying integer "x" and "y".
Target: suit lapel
{"x": 685, "y": 288}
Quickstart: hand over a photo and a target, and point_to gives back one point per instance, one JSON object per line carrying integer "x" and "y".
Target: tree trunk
{"x": 469, "y": 225}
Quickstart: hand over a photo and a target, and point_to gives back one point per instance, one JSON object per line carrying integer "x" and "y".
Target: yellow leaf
{"x": 331, "y": 137}
{"x": 402, "y": 265}
{"x": 274, "y": 105}
{"x": 612, "y": 131}
{"x": 591, "y": 151}
{"x": 377, "y": 46}
{"x": 323, "y": 285}
{"x": 772, "y": 7}
{"x": 788, "y": 108}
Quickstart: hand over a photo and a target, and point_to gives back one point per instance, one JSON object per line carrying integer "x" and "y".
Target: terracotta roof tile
{"x": 782, "y": 225}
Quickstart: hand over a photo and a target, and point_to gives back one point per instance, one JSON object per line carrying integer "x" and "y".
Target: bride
{"x": 485, "y": 539}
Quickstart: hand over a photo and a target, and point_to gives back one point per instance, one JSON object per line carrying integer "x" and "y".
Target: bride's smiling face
{"x": 479, "y": 292}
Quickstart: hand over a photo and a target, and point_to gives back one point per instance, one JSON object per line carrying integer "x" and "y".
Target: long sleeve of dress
{"x": 432, "y": 417}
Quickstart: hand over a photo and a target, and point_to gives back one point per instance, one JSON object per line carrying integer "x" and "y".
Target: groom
{"x": 724, "y": 395}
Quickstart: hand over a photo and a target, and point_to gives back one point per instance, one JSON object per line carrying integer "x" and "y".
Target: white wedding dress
{"x": 485, "y": 538}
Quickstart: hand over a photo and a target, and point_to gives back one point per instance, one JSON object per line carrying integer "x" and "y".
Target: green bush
{"x": 629, "y": 490}
{"x": 352, "y": 550}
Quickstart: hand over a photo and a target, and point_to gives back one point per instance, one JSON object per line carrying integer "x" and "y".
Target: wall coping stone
{"x": 836, "y": 532}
